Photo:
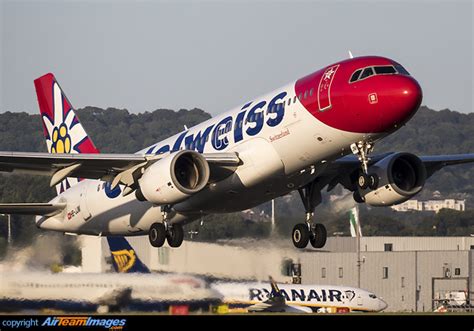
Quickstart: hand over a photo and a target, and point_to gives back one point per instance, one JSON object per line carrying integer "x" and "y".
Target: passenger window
{"x": 311, "y": 92}
{"x": 305, "y": 94}
{"x": 385, "y": 70}
{"x": 355, "y": 75}
{"x": 366, "y": 73}
{"x": 289, "y": 101}
{"x": 294, "y": 100}
{"x": 300, "y": 96}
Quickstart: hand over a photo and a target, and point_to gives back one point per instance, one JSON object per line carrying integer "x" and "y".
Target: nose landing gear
{"x": 303, "y": 233}
{"x": 365, "y": 180}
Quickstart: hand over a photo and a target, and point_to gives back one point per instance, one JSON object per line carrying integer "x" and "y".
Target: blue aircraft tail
{"x": 124, "y": 257}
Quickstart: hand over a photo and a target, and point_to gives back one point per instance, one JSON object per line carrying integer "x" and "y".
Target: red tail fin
{"x": 62, "y": 130}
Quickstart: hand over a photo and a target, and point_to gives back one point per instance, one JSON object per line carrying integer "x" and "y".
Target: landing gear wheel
{"x": 363, "y": 181}
{"x": 300, "y": 235}
{"x": 157, "y": 234}
{"x": 373, "y": 181}
{"x": 175, "y": 235}
{"x": 318, "y": 236}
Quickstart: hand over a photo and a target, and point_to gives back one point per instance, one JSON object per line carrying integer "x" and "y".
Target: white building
{"x": 431, "y": 205}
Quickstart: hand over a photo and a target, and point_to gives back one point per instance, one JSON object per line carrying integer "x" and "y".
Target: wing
{"x": 98, "y": 166}
{"x": 44, "y": 209}
{"x": 344, "y": 170}
{"x": 434, "y": 163}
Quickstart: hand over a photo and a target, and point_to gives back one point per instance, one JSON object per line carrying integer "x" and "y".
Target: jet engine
{"x": 398, "y": 177}
{"x": 174, "y": 178}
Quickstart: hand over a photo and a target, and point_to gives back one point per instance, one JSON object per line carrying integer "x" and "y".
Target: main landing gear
{"x": 159, "y": 232}
{"x": 306, "y": 232}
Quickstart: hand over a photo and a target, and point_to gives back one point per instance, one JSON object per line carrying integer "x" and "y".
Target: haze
{"x": 217, "y": 55}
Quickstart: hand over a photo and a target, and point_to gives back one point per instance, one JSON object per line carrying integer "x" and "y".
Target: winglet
{"x": 275, "y": 290}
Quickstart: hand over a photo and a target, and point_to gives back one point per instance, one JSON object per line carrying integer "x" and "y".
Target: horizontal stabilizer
{"x": 95, "y": 166}
{"x": 40, "y": 209}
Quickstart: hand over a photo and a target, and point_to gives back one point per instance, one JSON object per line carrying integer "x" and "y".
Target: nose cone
{"x": 404, "y": 100}
{"x": 382, "y": 305}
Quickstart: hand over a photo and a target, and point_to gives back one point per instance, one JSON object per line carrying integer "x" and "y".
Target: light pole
{"x": 9, "y": 225}
{"x": 273, "y": 216}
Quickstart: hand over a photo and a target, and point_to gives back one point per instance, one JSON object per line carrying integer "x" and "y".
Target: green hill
{"x": 118, "y": 131}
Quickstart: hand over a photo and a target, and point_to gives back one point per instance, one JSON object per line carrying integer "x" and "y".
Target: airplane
{"x": 132, "y": 287}
{"x": 296, "y": 298}
{"x": 315, "y": 132}
{"x": 276, "y": 303}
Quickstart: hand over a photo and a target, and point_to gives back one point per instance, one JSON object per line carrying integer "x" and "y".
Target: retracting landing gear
{"x": 365, "y": 180}
{"x": 159, "y": 232}
{"x": 306, "y": 232}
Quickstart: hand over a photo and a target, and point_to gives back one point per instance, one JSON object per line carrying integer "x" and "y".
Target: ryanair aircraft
{"x": 297, "y": 298}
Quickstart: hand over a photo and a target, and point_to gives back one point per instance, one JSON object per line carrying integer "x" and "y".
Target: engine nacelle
{"x": 174, "y": 178}
{"x": 400, "y": 176}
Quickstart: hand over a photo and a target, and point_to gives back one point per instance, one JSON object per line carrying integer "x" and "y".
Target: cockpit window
{"x": 373, "y": 296}
{"x": 366, "y": 73}
{"x": 355, "y": 75}
{"x": 363, "y": 73}
{"x": 384, "y": 70}
{"x": 401, "y": 70}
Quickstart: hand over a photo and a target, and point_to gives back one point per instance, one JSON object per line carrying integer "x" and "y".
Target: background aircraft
{"x": 297, "y": 137}
{"x": 297, "y": 298}
{"x": 134, "y": 287}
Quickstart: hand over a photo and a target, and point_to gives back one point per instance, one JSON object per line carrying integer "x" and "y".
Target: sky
{"x": 215, "y": 55}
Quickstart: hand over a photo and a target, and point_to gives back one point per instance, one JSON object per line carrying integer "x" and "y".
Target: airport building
{"x": 430, "y": 205}
{"x": 409, "y": 273}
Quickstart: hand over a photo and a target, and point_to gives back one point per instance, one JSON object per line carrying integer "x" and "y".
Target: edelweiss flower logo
{"x": 61, "y": 141}
{"x": 64, "y": 136}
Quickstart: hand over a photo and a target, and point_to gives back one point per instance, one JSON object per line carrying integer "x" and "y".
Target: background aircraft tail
{"x": 124, "y": 257}
{"x": 62, "y": 130}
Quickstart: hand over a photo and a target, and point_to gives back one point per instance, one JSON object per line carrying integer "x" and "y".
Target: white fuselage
{"x": 314, "y": 296}
{"x": 281, "y": 148}
{"x": 100, "y": 288}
